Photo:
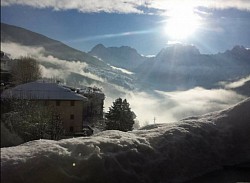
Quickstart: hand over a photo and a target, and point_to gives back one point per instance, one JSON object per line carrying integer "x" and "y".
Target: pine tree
{"x": 120, "y": 117}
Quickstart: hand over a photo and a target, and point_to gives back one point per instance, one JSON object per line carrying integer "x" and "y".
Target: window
{"x": 71, "y": 129}
{"x": 72, "y": 116}
{"x": 72, "y": 103}
{"x": 58, "y": 103}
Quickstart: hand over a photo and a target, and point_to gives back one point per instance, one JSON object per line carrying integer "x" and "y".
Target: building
{"x": 94, "y": 107}
{"x": 6, "y": 64}
{"x": 72, "y": 106}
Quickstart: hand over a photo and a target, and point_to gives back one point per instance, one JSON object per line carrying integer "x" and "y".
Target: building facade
{"x": 67, "y": 103}
{"x": 94, "y": 107}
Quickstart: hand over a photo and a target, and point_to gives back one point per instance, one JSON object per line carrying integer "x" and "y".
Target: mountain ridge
{"x": 184, "y": 67}
{"x": 124, "y": 56}
{"x": 61, "y": 54}
{"x": 174, "y": 67}
{"x": 10, "y": 33}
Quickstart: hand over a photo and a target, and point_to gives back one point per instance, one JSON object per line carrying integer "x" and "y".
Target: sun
{"x": 181, "y": 24}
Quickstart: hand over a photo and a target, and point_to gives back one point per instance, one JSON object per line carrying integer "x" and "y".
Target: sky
{"x": 147, "y": 25}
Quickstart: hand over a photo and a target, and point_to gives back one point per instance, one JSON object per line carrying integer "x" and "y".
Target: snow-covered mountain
{"x": 175, "y": 152}
{"x": 183, "y": 67}
{"x": 124, "y": 56}
{"x": 61, "y": 61}
{"x": 177, "y": 67}
{"x": 240, "y": 53}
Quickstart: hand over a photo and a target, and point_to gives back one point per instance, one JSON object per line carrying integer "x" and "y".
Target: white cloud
{"x": 169, "y": 107}
{"x": 54, "y": 73}
{"x": 110, "y": 6}
{"x": 236, "y": 84}
{"x": 122, "y": 70}
{"x": 64, "y": 67}
{"x": 127, "y": 6}
{"x": 16, "y": 50}
{"x": 218, "y": 4}
{"x": 199, "y": 101}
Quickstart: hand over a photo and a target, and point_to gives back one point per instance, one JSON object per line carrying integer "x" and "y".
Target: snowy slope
{"x": 174, "y": 152}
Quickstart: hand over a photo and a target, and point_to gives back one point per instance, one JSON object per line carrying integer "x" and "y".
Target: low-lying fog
{"x": 158, "y": 106}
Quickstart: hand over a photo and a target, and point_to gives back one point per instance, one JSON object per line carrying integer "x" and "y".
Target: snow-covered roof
{"x": 41, "y": 90}
{"x": 89, "y": 90}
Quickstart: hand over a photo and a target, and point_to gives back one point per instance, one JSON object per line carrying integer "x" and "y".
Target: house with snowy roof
{"x": 70, "y": 105}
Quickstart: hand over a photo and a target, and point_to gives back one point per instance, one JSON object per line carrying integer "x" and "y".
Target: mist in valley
{"x": 150, "y": 106}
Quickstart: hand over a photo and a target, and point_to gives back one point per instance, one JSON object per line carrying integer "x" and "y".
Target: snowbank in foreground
{"x": 158, "y": 153}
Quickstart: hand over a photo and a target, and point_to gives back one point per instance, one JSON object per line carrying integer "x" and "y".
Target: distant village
{"x": 78, "y": 108}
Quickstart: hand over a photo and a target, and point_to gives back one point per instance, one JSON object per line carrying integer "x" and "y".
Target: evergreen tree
{"x": 120, "y": 117}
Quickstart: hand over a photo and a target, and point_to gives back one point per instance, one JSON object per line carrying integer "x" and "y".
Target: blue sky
{"x": 147, "y": 25}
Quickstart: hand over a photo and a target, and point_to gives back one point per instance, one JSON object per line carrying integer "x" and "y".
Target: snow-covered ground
{"x": 175, "y": 152}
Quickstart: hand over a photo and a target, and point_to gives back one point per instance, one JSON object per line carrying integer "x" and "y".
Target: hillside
{"x": 174, "y": 152}
{"x": 63, "y": 62}
{"x": 52, "y": 47}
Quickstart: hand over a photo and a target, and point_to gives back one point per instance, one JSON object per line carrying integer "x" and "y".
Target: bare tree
{"x": 55, "y": 128}
{"x": 32, "y": 120}
{"x": 25, "y": 70}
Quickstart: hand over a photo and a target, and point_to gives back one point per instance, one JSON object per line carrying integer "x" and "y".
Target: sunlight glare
{"x": 181, "y": 23}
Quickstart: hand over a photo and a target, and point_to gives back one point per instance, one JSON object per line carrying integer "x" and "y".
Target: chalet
{"x": 75, "y": 107}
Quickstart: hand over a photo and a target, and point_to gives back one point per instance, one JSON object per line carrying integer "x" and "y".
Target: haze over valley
{"x": 179, "y": 79}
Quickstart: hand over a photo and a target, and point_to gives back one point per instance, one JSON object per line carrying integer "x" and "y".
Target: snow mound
{"x": 174, "y": 152}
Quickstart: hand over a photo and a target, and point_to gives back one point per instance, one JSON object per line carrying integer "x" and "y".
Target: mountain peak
{"x": 179, "y": 50}
{"x": 124, "y": 56}
{"x": 238, "y": 49}
{"x": 239, "y": 52}
{"x": 99, "y": 46}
